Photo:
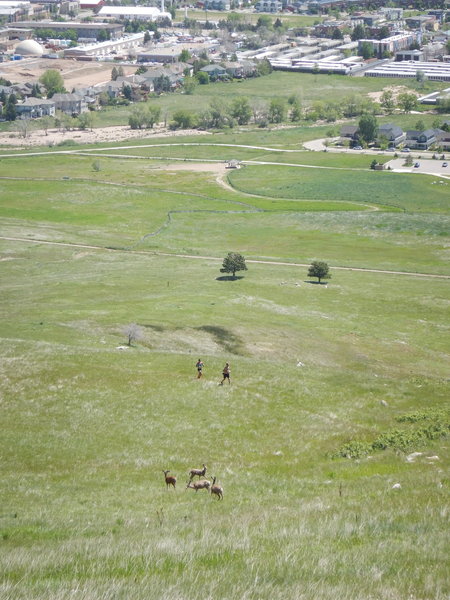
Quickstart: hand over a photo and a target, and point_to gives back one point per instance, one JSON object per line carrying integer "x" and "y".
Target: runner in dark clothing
{"x": 226, "y": 373}
{"x": 199, "y": 366}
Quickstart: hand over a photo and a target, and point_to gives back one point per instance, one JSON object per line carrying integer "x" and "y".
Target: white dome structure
{"x": 29, "y": 48}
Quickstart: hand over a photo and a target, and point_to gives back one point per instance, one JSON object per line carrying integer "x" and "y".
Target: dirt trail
{"x": 200, "y": 257}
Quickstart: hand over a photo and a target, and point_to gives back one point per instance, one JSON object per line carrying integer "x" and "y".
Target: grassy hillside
{"x": 356, "y": 367}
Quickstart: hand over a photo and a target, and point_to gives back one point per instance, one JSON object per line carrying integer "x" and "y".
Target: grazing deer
{"x": 216, "y": 489}
{"x": 197, "y": 472}
{"x": 170, "y": 479}
{"x": 201, "y": 484}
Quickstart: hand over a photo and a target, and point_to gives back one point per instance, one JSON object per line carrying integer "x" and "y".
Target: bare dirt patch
{"x": 395, "y": 89}
{"x": 76, "y": 74}
{"x": 98, "y": 135}
{"x": 218, "y": 168}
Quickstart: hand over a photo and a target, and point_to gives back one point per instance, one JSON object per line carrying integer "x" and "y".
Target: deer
{"x": 198, "y": 472}
{"x": 216, "y": 489}
{"x": 201, "y": 484}
{"x": 170, "y": 479}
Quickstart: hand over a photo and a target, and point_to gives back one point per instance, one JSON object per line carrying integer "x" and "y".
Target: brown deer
{"x": 201, "y": 484}
{"x": 197, "y": 472}
{"x": 216, "y": 489}
{"x": 170, "y": 479}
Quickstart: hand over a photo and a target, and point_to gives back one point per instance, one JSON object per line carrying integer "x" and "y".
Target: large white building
{"x": 433, "y": 71}
{"x": 101, "y": 49}
{"x": 140, "y": 13}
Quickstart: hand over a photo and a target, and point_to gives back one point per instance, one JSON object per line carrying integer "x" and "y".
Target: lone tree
{"x": 319, "y": 269}
{"x": 233, "y": 262}
{"x": 133, "y": 332}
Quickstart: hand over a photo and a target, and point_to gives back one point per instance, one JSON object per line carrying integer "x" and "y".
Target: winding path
{"x": 220, "y": 180}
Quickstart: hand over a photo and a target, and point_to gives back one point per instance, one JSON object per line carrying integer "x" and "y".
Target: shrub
{"x": 402, "y": 439}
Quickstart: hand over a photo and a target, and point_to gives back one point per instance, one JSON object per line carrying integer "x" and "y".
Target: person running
{"x": 199, "y": 366}
{"x": 226, "y": 374}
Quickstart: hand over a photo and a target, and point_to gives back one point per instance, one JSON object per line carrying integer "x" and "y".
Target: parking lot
{"x": 421, "y": 165}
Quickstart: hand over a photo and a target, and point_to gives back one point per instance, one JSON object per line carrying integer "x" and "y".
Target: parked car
{"x": 406, "y": 150}
{"x": 444, "y": 164}
{"x": 357, "y": 147}
{"x": 416, "y": 165}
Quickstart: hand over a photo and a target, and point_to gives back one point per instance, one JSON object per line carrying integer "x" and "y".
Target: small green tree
{"x": 277, "y": 110}
{"x": 367, "y": 127}
{"x": 358, "y": 33}
{"x": 202, "y": 77}
{"x": 241, "y": 110}
{"x": 185, "y": 55}
{"x": 152, "y": 116}
{"x": 183, "y": 119}
{"x": 189, "y": 85}
{"x": 387, "y": 101}
{"x": 86, "y": 120}
{"x": 407, "y": 101}
{"x": 420, "y": 125}
{"x": 295, "y": 113}
{"x": 52, "y": 81}
{"x": 9, "y": 110}
{"x": 320, "y": 270}
{"x": 233, "y": 262}
{"x": 366, "y": 50}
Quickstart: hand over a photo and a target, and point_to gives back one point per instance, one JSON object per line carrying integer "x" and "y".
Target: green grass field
{"x": 88, "y": 423}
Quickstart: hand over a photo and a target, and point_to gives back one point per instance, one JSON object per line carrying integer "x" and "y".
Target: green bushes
{"x": 402, "y": 439}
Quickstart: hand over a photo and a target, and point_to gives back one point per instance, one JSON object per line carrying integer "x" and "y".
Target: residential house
{"x": 71, "y": 104}
{"x": 420, "y": 140}
{"x": 214, "y": 71}
{"x": 273, "y": 6}
{"x": 180, "y": 68}
{"x": 33, "y": 108}
{"x": 349, "y": 133}
{"x": 216, "y": 5}
{"x": 240, "y": 69}
{"x": 443, "y": 139}
{"x": 392, "y": 133}
{"x": 152, "y": 74}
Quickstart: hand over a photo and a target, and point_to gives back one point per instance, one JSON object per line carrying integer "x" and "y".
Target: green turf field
{"x": 357, "y": 366}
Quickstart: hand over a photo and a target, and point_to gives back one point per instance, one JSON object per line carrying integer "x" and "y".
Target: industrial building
{"x": 434, "y": 71}
{"x": 139, "y": 13}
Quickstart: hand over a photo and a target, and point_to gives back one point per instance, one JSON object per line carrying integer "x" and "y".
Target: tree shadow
{"x": 225, "y": 338}
{"x": 316, "y": 282}
{"x": 229, "y": 278}
{"x": 158, "y": 328}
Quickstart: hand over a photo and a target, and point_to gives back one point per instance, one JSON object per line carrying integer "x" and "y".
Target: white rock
{"x": 384, "y": 403}
{"x": 300, "y": 364}
{"x": 397, "y": 486}
{"x": 122, "y": 347}
{"x": 412, "y": 457}
{"x": 432, "y": 457}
